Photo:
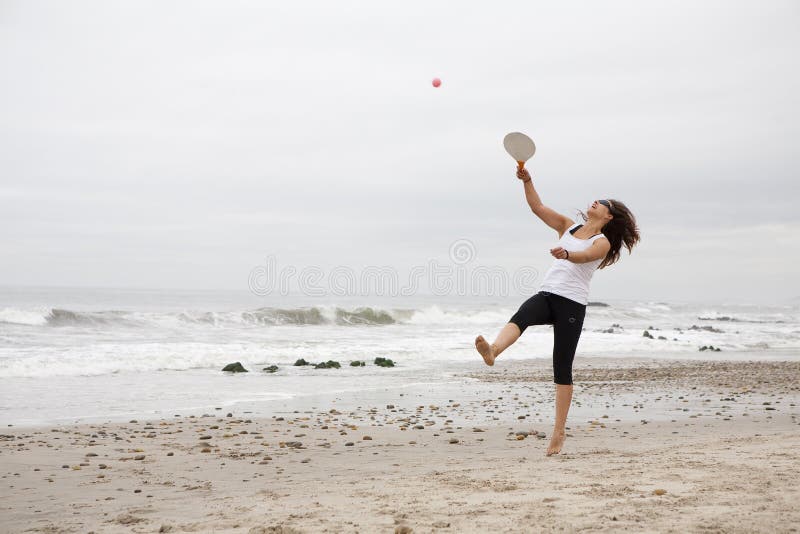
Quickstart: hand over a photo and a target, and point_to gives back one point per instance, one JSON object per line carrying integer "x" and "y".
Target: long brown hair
{"x": 621, "y": 230}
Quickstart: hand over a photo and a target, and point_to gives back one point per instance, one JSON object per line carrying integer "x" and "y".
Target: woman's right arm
{"x": 549, "y": 216}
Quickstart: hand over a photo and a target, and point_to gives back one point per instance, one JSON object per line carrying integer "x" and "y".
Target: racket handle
{"x": 520, "y": 165}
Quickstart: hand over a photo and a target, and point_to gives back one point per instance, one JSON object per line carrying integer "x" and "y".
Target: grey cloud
{"x": 142, "y": 138}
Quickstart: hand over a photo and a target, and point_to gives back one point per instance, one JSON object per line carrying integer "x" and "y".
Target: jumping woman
{"x": 562, "y": 298}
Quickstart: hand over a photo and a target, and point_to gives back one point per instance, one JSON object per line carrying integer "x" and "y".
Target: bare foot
{"x": 486, "y": 350}
{"x": 556, "y": 442}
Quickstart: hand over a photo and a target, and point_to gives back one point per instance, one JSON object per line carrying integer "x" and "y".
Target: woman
{"x": 561, "y": 301}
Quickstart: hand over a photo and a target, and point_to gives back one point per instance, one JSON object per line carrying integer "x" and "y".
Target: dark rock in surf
{"x": 707, "y": 329}
{"x": 357, "y": 364}
{"x": 330, "y": 364}
{"x": 270, "y": 369}
{"x": 599, "y": 304}
{"x": 647, "y": 334}
{"x": 723, "y": 318}
{"x": 301, "y": 361}
{"x": 235, "y": 368}
{"x": 384, "y": 362}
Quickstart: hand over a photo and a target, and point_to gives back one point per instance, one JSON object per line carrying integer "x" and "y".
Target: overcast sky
{"x": 178, "y": 144}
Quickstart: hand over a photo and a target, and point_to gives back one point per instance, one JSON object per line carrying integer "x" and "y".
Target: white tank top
{"x": 571, "y": 280}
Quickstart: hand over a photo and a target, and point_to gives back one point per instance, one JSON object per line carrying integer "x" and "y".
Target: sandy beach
{"x": 258, "y": 261}
{"x": 652, "y": 447}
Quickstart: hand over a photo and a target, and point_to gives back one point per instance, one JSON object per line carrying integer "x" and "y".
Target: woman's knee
{"x": 533, "y": 311}
{"x": 517, "y": 321}
{"x": 562, "y": 375}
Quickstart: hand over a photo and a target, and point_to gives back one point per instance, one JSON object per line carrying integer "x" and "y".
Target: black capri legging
{"x": 566, "y": 316}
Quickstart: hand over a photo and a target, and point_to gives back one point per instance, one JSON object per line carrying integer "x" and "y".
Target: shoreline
{"x": 720, "y": 444}
{"x": 631, "y": 376}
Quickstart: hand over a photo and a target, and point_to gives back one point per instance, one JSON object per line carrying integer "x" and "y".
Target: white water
{"x": 74, "y": 354}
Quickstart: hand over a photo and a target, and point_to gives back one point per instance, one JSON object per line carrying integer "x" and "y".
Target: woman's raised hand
{"x": 559, "y": 253}
{"x": 523, "y": 174}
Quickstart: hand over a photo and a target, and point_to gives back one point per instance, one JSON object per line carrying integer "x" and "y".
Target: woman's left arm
{"x": 597, "y": 251}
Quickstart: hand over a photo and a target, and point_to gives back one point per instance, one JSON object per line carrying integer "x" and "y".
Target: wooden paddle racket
{"x": 520, "y": 146}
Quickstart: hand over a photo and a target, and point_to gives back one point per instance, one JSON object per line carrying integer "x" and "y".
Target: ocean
{"x": 69, "y": 355}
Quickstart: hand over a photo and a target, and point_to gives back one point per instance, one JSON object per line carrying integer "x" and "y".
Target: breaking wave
{"x": 318, "y": 315}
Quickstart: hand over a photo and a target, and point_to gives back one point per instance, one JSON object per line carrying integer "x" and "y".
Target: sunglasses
{"x": 605, "y": 203}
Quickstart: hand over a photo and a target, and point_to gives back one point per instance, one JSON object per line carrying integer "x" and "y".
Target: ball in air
{"x": 436, "y": 82}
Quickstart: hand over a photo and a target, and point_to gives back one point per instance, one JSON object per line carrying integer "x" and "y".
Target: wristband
{"x": 567, "y": 251}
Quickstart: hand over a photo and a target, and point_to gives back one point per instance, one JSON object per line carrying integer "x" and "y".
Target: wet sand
{"x": 651, "y": 446}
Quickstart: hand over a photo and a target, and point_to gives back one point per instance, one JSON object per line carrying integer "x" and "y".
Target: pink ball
{"x": 437, "y": 82}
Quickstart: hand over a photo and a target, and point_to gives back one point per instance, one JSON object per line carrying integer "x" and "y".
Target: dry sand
{"x": 668, "y": 447}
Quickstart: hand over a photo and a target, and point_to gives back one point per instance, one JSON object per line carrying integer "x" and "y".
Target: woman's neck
{"x": 594, "y": 226}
